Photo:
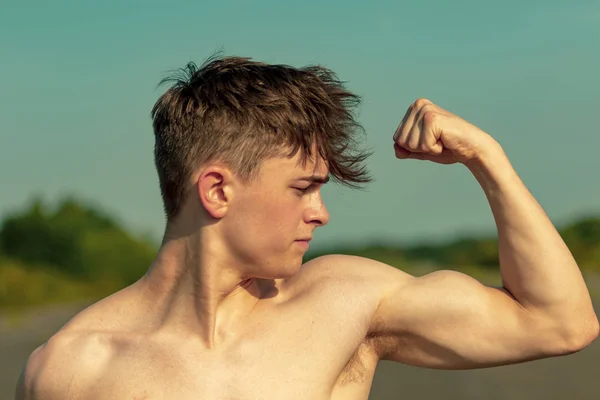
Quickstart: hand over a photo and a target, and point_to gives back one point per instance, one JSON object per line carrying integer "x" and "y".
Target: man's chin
{"x": 290, "y": 269}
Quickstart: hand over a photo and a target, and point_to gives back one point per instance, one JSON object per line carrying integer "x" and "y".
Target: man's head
{"x": 252, "y": 126}
{"x": 242, "y": 112}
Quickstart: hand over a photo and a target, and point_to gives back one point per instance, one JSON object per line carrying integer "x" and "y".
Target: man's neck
{"x": 197, "y": 293}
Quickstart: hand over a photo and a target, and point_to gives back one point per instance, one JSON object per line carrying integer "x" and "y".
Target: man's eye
{"x": 302, "y": 190}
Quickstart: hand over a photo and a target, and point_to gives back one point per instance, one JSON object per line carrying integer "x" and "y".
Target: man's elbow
{"x": 579, "y": 336}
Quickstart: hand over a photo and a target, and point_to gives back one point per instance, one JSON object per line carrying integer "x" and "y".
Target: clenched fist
{"x": 428, "y": 132}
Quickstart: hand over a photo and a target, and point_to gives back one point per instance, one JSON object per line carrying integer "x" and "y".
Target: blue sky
{"x": 78, "y": 80}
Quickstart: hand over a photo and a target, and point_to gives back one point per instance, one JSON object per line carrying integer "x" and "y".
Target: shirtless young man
{"x": 228, "y": 311}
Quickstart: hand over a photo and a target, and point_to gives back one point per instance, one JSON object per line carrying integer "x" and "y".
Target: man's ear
{"x": 214, "y": 190}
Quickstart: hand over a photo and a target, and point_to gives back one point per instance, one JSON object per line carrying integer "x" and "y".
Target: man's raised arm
{"x": 536, "y": 266}
{"x": 449, "y": 320}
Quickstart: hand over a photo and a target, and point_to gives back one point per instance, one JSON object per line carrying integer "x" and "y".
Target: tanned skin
{"x": 228, "y": 311}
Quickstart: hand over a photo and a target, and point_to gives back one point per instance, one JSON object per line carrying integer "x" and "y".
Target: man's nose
{"x": 318, "y": 214}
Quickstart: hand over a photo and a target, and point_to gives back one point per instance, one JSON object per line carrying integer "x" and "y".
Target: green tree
{"x": 76, "y": 239}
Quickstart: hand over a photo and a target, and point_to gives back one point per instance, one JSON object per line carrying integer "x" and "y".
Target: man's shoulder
{"x": 348, "y": 276}
{"x": 353, "y": 289}
{"x": 350, "y": 270}
{"x": 62, "y": 367}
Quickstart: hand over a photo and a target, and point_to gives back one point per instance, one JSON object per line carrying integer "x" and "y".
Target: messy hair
{"x": 241, "y": 112}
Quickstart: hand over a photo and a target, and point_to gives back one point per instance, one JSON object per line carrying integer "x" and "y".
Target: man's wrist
{"x": 491, "y": 167}
{"x": 488, "y": 152}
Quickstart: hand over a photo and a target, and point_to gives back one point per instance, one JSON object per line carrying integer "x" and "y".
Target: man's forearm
{"x": 536, "y": 265}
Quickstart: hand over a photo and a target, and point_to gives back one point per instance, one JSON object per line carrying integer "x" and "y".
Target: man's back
{"x": 307, "y": 341}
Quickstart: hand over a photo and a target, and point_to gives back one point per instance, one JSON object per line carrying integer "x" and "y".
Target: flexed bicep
{"x": 449, "y": 320}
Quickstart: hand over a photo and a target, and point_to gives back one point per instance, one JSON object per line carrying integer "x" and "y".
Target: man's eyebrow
{"x": 315, "y": 179}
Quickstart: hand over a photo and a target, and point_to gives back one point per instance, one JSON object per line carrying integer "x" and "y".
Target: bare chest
{"x": 311, "y": 346}
{"x": 295, "y": 360}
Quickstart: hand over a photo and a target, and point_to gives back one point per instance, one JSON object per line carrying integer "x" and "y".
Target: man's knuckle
{"x": 429, "y": 117}
{"x": 421, "y": 102}
{"x": 414, "y": 142}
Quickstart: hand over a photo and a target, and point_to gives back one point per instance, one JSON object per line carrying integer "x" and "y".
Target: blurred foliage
{"x": 75, "y": 251}
{"x": 24, "y": 285}
{"x": 583, "y": 239}
{"x": 464, "y": 251}
{"x": 67, "y": 252}
{"x": 76, "y": 240}
{"x": 470, "y": 253}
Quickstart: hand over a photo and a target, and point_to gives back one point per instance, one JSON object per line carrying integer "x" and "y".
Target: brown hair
{"x": 241, "y": 112}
